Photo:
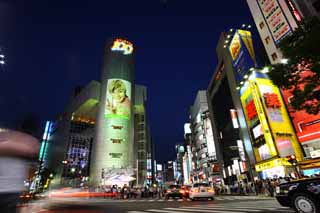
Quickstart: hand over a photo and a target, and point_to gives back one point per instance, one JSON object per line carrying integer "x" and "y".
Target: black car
{"x": 303, "y": 195}
{"x": 174, "y": 191}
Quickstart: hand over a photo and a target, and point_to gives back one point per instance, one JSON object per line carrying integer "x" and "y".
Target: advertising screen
{"x": 242, "y": 53}
{"x": 209, "y": 138}
{"x": 275, "y": 18}
{"x": 307, "y": 126}
{"x": 257, "y": 131}
{"x": 117, "y": 121}
{"x": 118, "y": 102}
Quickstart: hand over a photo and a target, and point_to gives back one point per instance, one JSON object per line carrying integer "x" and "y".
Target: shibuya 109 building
{"x": 102, "y": 137}
{"x": 112, "y": 148}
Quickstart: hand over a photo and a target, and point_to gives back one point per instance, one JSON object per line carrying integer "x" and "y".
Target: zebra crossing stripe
{"x": 162, "y": 211}
{"x": 224, "y": 208}
{"x": 203, "y": 210}
{"x": 136, "y": 212}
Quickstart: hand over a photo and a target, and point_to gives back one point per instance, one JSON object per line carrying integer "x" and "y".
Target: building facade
{"x": 274, "y": 20}
{"x": 306, "y": 126}
{"x": 113, "y": 141}
{"x": 203, "y": 145}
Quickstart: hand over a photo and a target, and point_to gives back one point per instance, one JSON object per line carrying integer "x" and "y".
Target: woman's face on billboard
{"x": 119, "y": 95}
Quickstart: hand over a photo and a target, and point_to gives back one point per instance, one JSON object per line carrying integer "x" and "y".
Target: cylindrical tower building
{"x": 113, "y": 144}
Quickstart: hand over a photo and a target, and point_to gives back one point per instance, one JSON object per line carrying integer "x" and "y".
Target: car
{"x": 303, "y": 195}
{"x": 174, "y": 191}
{"x": 201, "y": 190}
{"x": 186, "y": 190}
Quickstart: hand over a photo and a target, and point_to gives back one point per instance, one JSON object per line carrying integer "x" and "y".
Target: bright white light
{"x": 252, "y": 75}
{"x": 1, "y": 56}
{"x": 237, "y": 88}
{"x": 249, "y": 26}
{"x": 245, "y": 76}
{"x": 229, "y": 36}
{"x": 231, "y": 30}
{"x": 284, "y": 61}
{"x": 2, "y": 62}
{"x": 243, "y": 25}
{"x": 241, "y": 82}
{"x": 251, "y": 69}
{"x": 265, "y": 70}
{"x": 226, "y": 42}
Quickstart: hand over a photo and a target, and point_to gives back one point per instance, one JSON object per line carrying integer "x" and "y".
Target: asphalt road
{"x": 222, "y": 204}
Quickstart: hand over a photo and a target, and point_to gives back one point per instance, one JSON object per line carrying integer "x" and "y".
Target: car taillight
{"x": 187, "y": 191}
{"x": 195, "y": 190}
{"x": 210, "y": 190}
{"x": 181, "y": 191}
{"x": 168, "y": 190}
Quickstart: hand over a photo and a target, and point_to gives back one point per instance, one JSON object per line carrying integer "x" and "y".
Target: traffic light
{"x": 292, "y": 159}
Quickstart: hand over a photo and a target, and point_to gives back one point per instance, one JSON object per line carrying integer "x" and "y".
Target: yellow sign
{"x": 123, "y": 46}
{"x": 272, "y": 163}
{"x": 235, "y": 46}
{"x": 247, "y": 40}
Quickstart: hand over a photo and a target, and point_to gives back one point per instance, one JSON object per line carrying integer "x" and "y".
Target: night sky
{"x": 53, "y": 46}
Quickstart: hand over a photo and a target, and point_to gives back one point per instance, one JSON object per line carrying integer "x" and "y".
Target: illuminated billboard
{"x": 307, "y": 126}
{"x": 242, "y": 53}
{"x": 117, "y": 119}
{"x": 118, "y": 102}
{"x": 123, "y": 46}
{"x": 266, "y": 115}
{"x": 209, "y": 138}
{"x": 274, "y": 16}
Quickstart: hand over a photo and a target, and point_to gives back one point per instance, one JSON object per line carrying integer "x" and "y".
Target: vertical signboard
{"x": 209, "y": 138}
{"x": 279, "y": 120}
{"x": 117, "y": 116}
{"x": 242, "y": 53}
{"x": 275, "y": 18}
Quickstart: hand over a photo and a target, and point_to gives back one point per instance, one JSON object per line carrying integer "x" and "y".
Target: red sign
{"x": 251, "y": 110}
{"x": 272, "y": 100}
{"x": 307, "y": 126}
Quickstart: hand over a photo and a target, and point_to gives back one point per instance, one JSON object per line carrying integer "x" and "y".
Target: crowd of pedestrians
{"x": 126, "y": 192}
{"x": 258, "y": 187}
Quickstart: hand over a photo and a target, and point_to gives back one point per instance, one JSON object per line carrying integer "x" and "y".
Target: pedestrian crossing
{"x": 240, "y": 207}
{"x": 217, "y": 198}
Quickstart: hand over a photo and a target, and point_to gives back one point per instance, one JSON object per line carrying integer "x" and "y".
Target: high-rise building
{"x": 142, "y": 141}
{"x": 253, "y": 114}
{"x": 274, "y": 19}
{"x": 203, "y": 142}
{"x": 267, "y": 14}
{"x": 113, "y": 141}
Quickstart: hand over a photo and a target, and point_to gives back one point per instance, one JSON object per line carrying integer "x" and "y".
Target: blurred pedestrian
{"x": 16, "y": 147}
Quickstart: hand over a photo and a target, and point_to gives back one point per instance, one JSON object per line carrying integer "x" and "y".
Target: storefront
{"x": 310, "y": 167}
{"x": 279, "y": 167}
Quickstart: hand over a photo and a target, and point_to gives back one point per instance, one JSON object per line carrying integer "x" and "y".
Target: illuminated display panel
{"x": 275, "y": 18}
{"x": 118, "y": 104}
{"x": 123, "y": 46}
{"x": 307, "y": 126}
{"x": 209, "y": 138}
{"x": 241, "y": 49}
{"x": 117, "y": 118}
{"x": 257, "y": 131}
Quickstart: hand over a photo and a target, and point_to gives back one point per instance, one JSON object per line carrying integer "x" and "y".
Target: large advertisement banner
{"x": 279, "y": 121}
{"x": 242, "y": 53}
{"x": 118, "y": 102}
{"x": 307, "y": 126}
{"x": 275, "y": 18}
{"x": 117, "y": 119}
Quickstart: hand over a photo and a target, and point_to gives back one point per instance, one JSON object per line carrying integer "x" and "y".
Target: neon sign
{"x": 123, "y": 46}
